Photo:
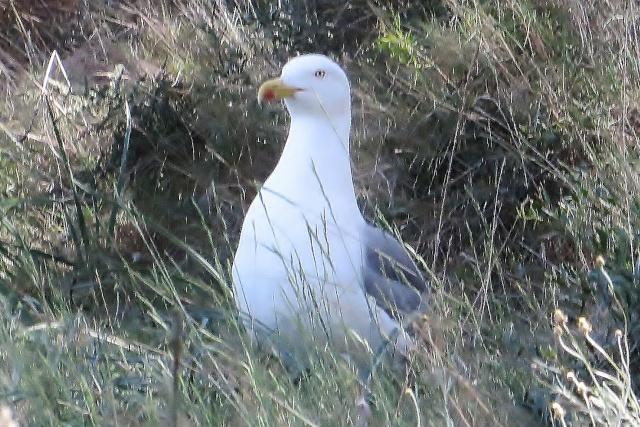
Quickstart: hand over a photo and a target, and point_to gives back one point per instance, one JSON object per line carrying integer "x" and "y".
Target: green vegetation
{"x": 498, "y": 139}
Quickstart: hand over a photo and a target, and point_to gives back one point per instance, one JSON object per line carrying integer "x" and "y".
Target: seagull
{"x": 309, "y": 273}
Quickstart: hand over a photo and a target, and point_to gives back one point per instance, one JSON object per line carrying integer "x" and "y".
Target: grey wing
{"x": 390, "y": 275}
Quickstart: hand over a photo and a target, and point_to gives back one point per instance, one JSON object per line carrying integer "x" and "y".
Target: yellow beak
{"x": 274, "y": 89}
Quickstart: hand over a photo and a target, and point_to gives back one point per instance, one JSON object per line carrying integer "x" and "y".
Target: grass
{"x": 498, "y": 140}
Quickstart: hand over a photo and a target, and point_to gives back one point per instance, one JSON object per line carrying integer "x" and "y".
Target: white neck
{"x": 317, "y": 151}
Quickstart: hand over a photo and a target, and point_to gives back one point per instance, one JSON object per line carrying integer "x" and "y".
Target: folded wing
{"x": 390, "y": 275}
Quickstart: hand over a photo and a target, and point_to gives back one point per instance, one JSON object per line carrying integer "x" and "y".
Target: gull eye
{"x": 320, "y": 74}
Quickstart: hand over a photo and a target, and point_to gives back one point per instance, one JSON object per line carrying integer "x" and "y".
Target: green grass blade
{"x": 84, "y": 233}
{"x": 121, "y": 174}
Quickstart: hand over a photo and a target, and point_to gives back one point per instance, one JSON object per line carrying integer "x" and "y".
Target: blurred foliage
{"x": 334, "y": 27}
{"x": 499, "y": 139}
{"x": 23, "y": 38}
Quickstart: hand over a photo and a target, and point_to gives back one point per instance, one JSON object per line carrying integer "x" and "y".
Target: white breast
{"x": 310, "y": 287}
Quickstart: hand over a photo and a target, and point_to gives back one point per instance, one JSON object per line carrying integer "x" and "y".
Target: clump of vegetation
{"x": 591, "y": 382}
{"x": 497, "y": 140}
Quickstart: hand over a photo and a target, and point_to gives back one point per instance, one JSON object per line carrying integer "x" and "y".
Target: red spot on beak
{"x": 269, "y": 96}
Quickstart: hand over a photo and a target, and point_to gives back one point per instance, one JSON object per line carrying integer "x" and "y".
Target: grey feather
{"x": 390, "y": 275}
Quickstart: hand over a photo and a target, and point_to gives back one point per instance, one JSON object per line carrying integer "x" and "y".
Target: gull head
{"x": 310, "y": 85}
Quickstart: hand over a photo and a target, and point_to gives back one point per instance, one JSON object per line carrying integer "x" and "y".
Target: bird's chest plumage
{"x": 302, "y": 267}
{"x": 297, "y": 241}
